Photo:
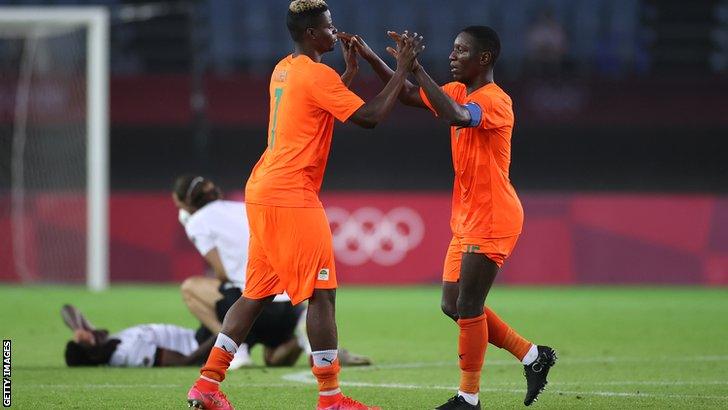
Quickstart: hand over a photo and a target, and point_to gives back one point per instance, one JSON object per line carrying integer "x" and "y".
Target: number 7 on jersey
{"x": 278, "y": 95}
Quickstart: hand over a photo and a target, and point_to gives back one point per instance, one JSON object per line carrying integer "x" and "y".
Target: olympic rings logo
{"x": 368, "y": 234}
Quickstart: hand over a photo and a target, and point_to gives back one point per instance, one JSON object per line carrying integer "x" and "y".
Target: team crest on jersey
{"x": 323, "y": 274}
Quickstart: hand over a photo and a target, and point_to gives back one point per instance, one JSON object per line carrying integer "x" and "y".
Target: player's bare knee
{"x": 449, "y": 309}
{"x": 188, "y": 287}
{"x": 469, "y": 308}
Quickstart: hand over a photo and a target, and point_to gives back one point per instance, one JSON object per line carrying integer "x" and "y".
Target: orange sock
{"x": 503, "y": 336}
{"x": 471, "y": 350}
{"x": 215, "y": 368}
{"x": 328, "y": 382}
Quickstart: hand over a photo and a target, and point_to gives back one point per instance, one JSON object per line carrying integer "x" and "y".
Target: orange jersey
{"x": 484, "y": 203}
{"x": 305, "y": 97}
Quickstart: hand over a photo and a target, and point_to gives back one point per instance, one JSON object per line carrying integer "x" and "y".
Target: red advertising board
{"x": 401, "y": 238}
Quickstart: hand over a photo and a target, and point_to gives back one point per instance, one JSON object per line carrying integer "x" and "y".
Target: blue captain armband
{"x": 476, "y": 114}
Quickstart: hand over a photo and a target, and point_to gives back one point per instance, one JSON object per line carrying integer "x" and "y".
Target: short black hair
{"x": 192, "y": 190}
{"x": 303, "y": 14}
{"x": 486, "y": 38}
{"x": 77, "y": 354}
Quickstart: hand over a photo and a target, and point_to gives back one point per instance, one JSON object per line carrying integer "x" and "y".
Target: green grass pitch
{"x": 619, "y": 348}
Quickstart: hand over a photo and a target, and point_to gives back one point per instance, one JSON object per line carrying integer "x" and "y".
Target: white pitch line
{"x": 307, "y": 378}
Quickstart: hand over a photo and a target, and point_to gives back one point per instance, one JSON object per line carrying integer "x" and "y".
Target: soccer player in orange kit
{"x": 291, "y": 245}
{"x": 486, "y": 213}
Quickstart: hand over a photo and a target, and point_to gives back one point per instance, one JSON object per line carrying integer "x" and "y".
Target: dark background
{"x": 624, "y": 95}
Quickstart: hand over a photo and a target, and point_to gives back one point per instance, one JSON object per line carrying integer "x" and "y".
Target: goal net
{"x": 54, "y": 143}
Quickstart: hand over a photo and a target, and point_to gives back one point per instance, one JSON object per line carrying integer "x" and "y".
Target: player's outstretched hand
{"x": 397, "y": 40}
{"x": 350, "y": 49}
{"x": 363, "y": 48}
{"x": 413, "y": 44}
{"x": 400, "y": 40}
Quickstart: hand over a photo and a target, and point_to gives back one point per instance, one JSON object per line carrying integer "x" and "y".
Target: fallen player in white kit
{"x": 148, "y": 345}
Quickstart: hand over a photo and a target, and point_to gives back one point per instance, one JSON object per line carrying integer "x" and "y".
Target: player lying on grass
{"x": 146, "y": 345}
{"x": 219, "y": 231}
{"x": 486, "y": 213}
{"x": 291, "y": 246}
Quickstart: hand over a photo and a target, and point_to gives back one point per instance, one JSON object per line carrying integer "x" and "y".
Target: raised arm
{"x": 74, "y": 319}
{"x": 351, "y": 58}
{"x": 446, "y": 108}
{"x": 410, "y": 94}
{"x": 373, "y": 112}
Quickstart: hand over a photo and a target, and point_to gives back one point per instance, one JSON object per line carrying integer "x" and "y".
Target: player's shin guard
{"x": 471, "y": 351}
{"x": 219, "y": 360}
{"x": 505, "y": 337}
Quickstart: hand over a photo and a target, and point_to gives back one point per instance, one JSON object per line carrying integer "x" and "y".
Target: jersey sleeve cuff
{"x": 351, "y": 111}
{"x": 426, "y": 100}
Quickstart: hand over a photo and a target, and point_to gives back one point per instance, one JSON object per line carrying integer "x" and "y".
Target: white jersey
{"x": 139, "y": 344}
{"x": 223, "y": 225}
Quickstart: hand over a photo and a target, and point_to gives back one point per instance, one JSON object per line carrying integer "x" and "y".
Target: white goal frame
{"x": 96, "y": 21}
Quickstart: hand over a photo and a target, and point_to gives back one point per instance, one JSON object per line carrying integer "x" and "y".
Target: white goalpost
{"x": 59, "y": 140}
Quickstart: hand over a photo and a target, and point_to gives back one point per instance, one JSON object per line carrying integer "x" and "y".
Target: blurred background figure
{"x": 547, "y": 45}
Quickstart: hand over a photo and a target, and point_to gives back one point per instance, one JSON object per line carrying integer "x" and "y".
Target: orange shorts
{"x": 290, "y": 249}
{"x": 496, "y": 249}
